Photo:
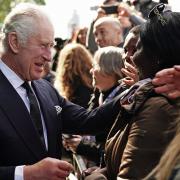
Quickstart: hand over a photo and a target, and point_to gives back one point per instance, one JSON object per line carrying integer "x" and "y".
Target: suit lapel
{"x": 18, "y": 115}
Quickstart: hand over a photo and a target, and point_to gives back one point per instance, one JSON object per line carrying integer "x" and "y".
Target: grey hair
{"x": 23, "y": 20}
{"x": 110, "y": 60}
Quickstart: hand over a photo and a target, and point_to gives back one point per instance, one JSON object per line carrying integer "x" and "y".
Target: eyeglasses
{"x": 157, "y": 11}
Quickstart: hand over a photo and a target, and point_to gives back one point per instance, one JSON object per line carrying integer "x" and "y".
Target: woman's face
{"x": 82, "y": 36}
{"x": 129, "y": 47}
{"x": 140, "y": 60}
{"x": 147, "y": 64}
{"x": 101, "y": 80}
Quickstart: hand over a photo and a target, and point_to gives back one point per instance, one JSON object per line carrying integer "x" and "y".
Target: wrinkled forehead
{"x": 104, "y": 26}
{"x": 44, "y": 32}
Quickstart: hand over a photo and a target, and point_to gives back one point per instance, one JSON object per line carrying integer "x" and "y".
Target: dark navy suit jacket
{"x": 19, "y": 141}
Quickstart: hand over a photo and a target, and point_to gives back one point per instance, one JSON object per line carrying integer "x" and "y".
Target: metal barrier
{"x": 79, "y": 165}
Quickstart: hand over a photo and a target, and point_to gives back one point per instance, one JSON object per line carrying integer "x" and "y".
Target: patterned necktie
{"x": 34, "y": 111}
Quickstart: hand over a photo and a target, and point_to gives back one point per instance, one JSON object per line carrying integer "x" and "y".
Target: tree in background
{"x": 6, "y": 5}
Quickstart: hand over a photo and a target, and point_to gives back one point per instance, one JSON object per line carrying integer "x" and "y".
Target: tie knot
{"x": 26, "y": 86}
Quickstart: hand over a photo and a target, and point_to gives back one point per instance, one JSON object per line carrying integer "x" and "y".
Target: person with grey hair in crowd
{"x": 106, "y": 73}
{"x": 32, "y": 113}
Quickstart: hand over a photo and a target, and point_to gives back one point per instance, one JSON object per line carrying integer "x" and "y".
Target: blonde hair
{"x": 74, "y": 65}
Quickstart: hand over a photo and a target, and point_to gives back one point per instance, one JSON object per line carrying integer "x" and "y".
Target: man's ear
{"x": 13, "y": 42}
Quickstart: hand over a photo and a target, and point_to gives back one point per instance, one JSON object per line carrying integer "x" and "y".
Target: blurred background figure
{"x": 128, "y": 17}
{"x": 108, "y": 32}
{"x": 73, "y": 78}
{"x": 59, "y": 44}
{"x": 48, "y": 74}
{"x": 90, "y": 41}
{"x": 80, "y": 36}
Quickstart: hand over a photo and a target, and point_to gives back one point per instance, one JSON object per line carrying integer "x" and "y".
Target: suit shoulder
{"x": 46, "y": 88}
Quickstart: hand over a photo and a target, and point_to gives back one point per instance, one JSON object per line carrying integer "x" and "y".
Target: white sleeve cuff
{"x": 18, "y": 175}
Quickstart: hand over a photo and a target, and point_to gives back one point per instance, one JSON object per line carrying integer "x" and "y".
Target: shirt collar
{"x": 12, "y": 77}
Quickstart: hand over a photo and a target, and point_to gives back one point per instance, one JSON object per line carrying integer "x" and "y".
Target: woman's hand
{"x": 131, "y": 72}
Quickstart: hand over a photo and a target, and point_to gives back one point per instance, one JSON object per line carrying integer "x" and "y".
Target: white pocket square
{"x": 58, "y": 109}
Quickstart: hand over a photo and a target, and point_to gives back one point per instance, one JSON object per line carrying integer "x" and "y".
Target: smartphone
{"x": 112, "y": 9}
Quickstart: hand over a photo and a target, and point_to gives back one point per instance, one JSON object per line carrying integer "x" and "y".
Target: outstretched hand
{"x": 168, "y": 82}
{"x": 48, "y": 169}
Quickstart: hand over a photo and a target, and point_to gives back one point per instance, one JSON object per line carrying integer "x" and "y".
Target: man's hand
{"x": 168, "y": 82}
{"x": 48, "y": 169}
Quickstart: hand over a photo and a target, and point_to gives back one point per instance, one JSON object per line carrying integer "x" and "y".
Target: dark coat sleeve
{"x": 7, "y": 173}
{"x": 77, "y": 120}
